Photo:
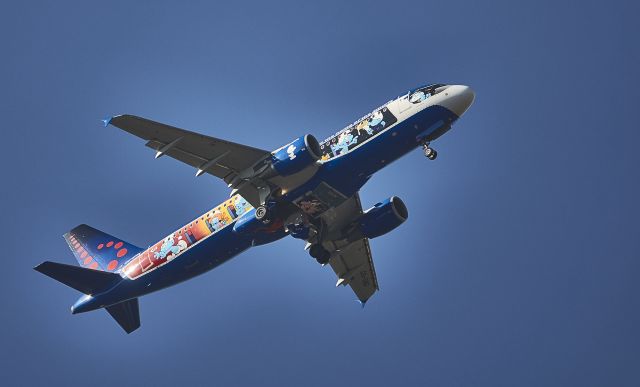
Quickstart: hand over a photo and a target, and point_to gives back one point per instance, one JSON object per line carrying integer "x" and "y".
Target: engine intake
{"x": 383, "y": 217}
{"x": 296, "y": 155}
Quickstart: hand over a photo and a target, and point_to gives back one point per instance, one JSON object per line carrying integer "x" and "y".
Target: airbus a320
{"x": 306, "y": 189}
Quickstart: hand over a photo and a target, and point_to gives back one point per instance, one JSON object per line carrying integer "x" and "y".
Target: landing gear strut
{"x": 320, "y": 254}
{"x": 429, "y": 152}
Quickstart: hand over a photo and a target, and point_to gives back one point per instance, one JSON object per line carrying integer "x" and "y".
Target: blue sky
{"x": 518, "y": 264}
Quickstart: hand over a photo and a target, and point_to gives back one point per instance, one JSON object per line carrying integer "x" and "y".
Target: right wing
{"x": 225, "y": 159}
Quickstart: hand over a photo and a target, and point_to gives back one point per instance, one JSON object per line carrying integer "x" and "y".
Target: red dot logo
{"x": 87, "y": 260}
{"x": 118, "y": 245}
{"x": 110, "y": 244}
{"x": 122, "y": 253}
{"x": 84, "y": 254}
{"x": 94, "y": 266}
{"x": 112, "y": 265}
{"x": 100, "y": 246}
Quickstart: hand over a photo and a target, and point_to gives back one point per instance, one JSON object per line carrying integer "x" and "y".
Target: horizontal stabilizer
{"x": 87, "y": 281}
{"x": 126, "y": 314}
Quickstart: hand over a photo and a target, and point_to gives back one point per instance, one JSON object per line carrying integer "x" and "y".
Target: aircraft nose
{"x": 458, "y": 98}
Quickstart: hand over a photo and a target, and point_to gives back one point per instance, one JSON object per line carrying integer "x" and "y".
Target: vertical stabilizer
{"x": 97, "y": 250}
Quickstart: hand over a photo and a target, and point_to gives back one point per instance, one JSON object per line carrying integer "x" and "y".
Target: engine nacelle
{"x": 297, "y": 155}
{"x": 383, "y": 217}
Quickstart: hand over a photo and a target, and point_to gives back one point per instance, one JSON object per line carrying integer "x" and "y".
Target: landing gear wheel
{"x": 262, "y": 214}
{"x": 429, "y": 152}
{"x": 320, "y": 254}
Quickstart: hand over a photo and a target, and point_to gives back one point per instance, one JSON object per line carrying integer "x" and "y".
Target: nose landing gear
{"x": 429, "y": 152}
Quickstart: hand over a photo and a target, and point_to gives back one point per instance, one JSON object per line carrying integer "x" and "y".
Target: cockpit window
{"x": 422, "y": 93}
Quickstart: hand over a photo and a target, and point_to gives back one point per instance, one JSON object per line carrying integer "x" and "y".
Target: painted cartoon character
{"x": 376, "y": 121}
{"x": 364, "y": 125}
{"x": 241, "y": 205}
{"x": 170, "y": 249}
{"x": 218, "y": 221}
{"x": 291, "y": 152}
{"x": 345, "y": 140}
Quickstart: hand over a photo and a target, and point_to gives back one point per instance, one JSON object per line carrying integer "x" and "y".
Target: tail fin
{"x": 98, "y": 250}
{"x": 126, "y": 314}
{"x": 83, "y": 280}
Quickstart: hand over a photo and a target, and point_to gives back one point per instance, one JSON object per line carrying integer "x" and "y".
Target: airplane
{"x": 306, "y": 189}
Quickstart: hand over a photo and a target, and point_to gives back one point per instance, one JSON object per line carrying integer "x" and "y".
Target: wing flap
{"x": 192, "y": 159}
{"x": 353, "y": 266}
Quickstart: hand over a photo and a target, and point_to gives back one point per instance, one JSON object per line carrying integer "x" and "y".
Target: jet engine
{"x": 383, "y": 217}
{"x": 296, "y": 155}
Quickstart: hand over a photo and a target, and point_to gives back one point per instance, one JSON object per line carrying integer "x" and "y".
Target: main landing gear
{"x": 263, "y": 214}
{"x": 429, "y": 152}
{"x": 319, "y": 253}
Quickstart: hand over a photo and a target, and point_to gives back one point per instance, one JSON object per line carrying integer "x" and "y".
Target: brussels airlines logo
{"x": 291, "y": 151}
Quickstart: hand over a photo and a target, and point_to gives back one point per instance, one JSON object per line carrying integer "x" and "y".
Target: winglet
{"x": 106, "y": 121}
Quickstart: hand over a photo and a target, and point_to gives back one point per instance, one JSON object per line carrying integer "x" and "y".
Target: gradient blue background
{"x": 518, "y": 265}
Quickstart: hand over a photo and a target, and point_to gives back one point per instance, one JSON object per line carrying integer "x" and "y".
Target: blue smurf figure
{"x": 345, "y": 140}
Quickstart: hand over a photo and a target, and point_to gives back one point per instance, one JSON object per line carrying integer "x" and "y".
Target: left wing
{"x": 352, "y": 261}
{"x": 225, "y": 159}
{"x": 354, "y": 267}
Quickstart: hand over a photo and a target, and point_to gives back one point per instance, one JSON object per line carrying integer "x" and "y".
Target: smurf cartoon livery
{"x": 306, "y": 189}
